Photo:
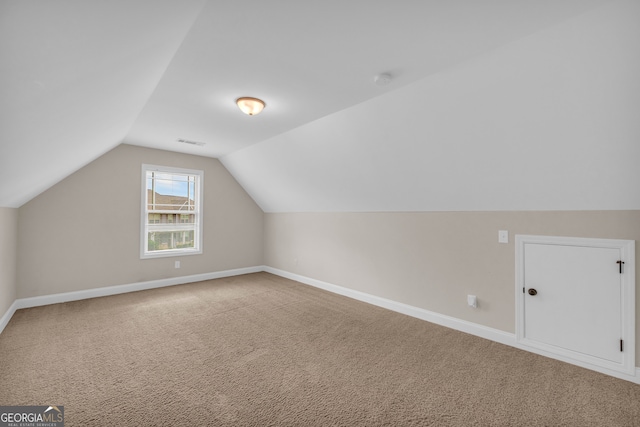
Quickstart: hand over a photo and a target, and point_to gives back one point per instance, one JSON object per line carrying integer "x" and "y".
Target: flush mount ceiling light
{"x": 250, "y": 106}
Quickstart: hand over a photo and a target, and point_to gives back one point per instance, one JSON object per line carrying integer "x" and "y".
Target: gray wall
{"x": 84, "y": 232}
{"x": 430, "y": 260}
{"x": 8, "y": 257}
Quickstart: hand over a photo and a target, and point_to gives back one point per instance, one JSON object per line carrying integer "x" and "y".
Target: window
{"x": 171, "y": 212}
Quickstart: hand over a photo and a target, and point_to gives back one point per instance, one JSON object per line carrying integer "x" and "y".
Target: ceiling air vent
{"x": 186, "y": 141}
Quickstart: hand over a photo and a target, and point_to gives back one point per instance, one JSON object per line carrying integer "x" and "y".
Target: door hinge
{"x": 523, "y": 290}
{"x": 620, "y": 263}
{"x": 621, "y": 345}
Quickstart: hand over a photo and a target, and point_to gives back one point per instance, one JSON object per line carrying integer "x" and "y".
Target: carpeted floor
{"x": 259, "y": 350}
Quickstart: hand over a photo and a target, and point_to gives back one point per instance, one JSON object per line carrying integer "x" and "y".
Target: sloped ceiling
{"x": 493, "y": 105}
{"x": 548, "y": 122}
{"x": 74, "y": 76}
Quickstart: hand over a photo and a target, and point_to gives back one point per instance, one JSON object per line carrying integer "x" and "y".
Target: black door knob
{"x": 533, "y": 292}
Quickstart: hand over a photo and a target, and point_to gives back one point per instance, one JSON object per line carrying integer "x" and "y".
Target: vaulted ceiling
{"x": 493, "y": 105}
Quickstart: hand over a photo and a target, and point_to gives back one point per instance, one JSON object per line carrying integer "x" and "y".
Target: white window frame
{"x": 144, "y": 213}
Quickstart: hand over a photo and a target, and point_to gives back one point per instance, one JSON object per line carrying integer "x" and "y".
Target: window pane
{"x": 167, "y": 240}
{"x": 170, "y": 192}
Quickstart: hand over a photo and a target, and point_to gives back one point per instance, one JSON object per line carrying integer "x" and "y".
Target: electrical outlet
{"x": 503, "y": 236}
{"x": 177, "y": 264}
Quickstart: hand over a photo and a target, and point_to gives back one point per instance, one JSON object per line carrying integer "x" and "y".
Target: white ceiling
{"x": 311, "y": 59}
{"x": 74, "y": 75}
{"x": 80, "y": 77}
{"x": 548, "y": 122}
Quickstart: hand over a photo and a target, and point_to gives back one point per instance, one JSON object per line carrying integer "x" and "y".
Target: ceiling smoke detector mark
{"x": 382, "y": 79}
{"x": 186, "y": 141}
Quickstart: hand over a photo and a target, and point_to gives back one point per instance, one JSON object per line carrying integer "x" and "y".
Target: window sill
{"x": 170, "y": 253}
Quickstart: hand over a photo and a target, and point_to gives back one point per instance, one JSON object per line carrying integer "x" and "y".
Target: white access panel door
{"x": 577, "y": 306}
{"x": 573, "y": 301}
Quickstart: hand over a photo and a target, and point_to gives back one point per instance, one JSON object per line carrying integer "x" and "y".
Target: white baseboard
{"x": 420, "y": 313}
{"x": 118, "y": 289}
{"x": 492, "y": 334}
{"x": 4, "y": 320}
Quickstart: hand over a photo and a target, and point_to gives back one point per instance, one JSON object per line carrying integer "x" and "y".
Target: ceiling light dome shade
{"x": 250, "y": 106}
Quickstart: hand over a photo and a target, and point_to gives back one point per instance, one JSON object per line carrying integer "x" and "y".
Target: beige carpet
{"x": 259, "y": 350}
